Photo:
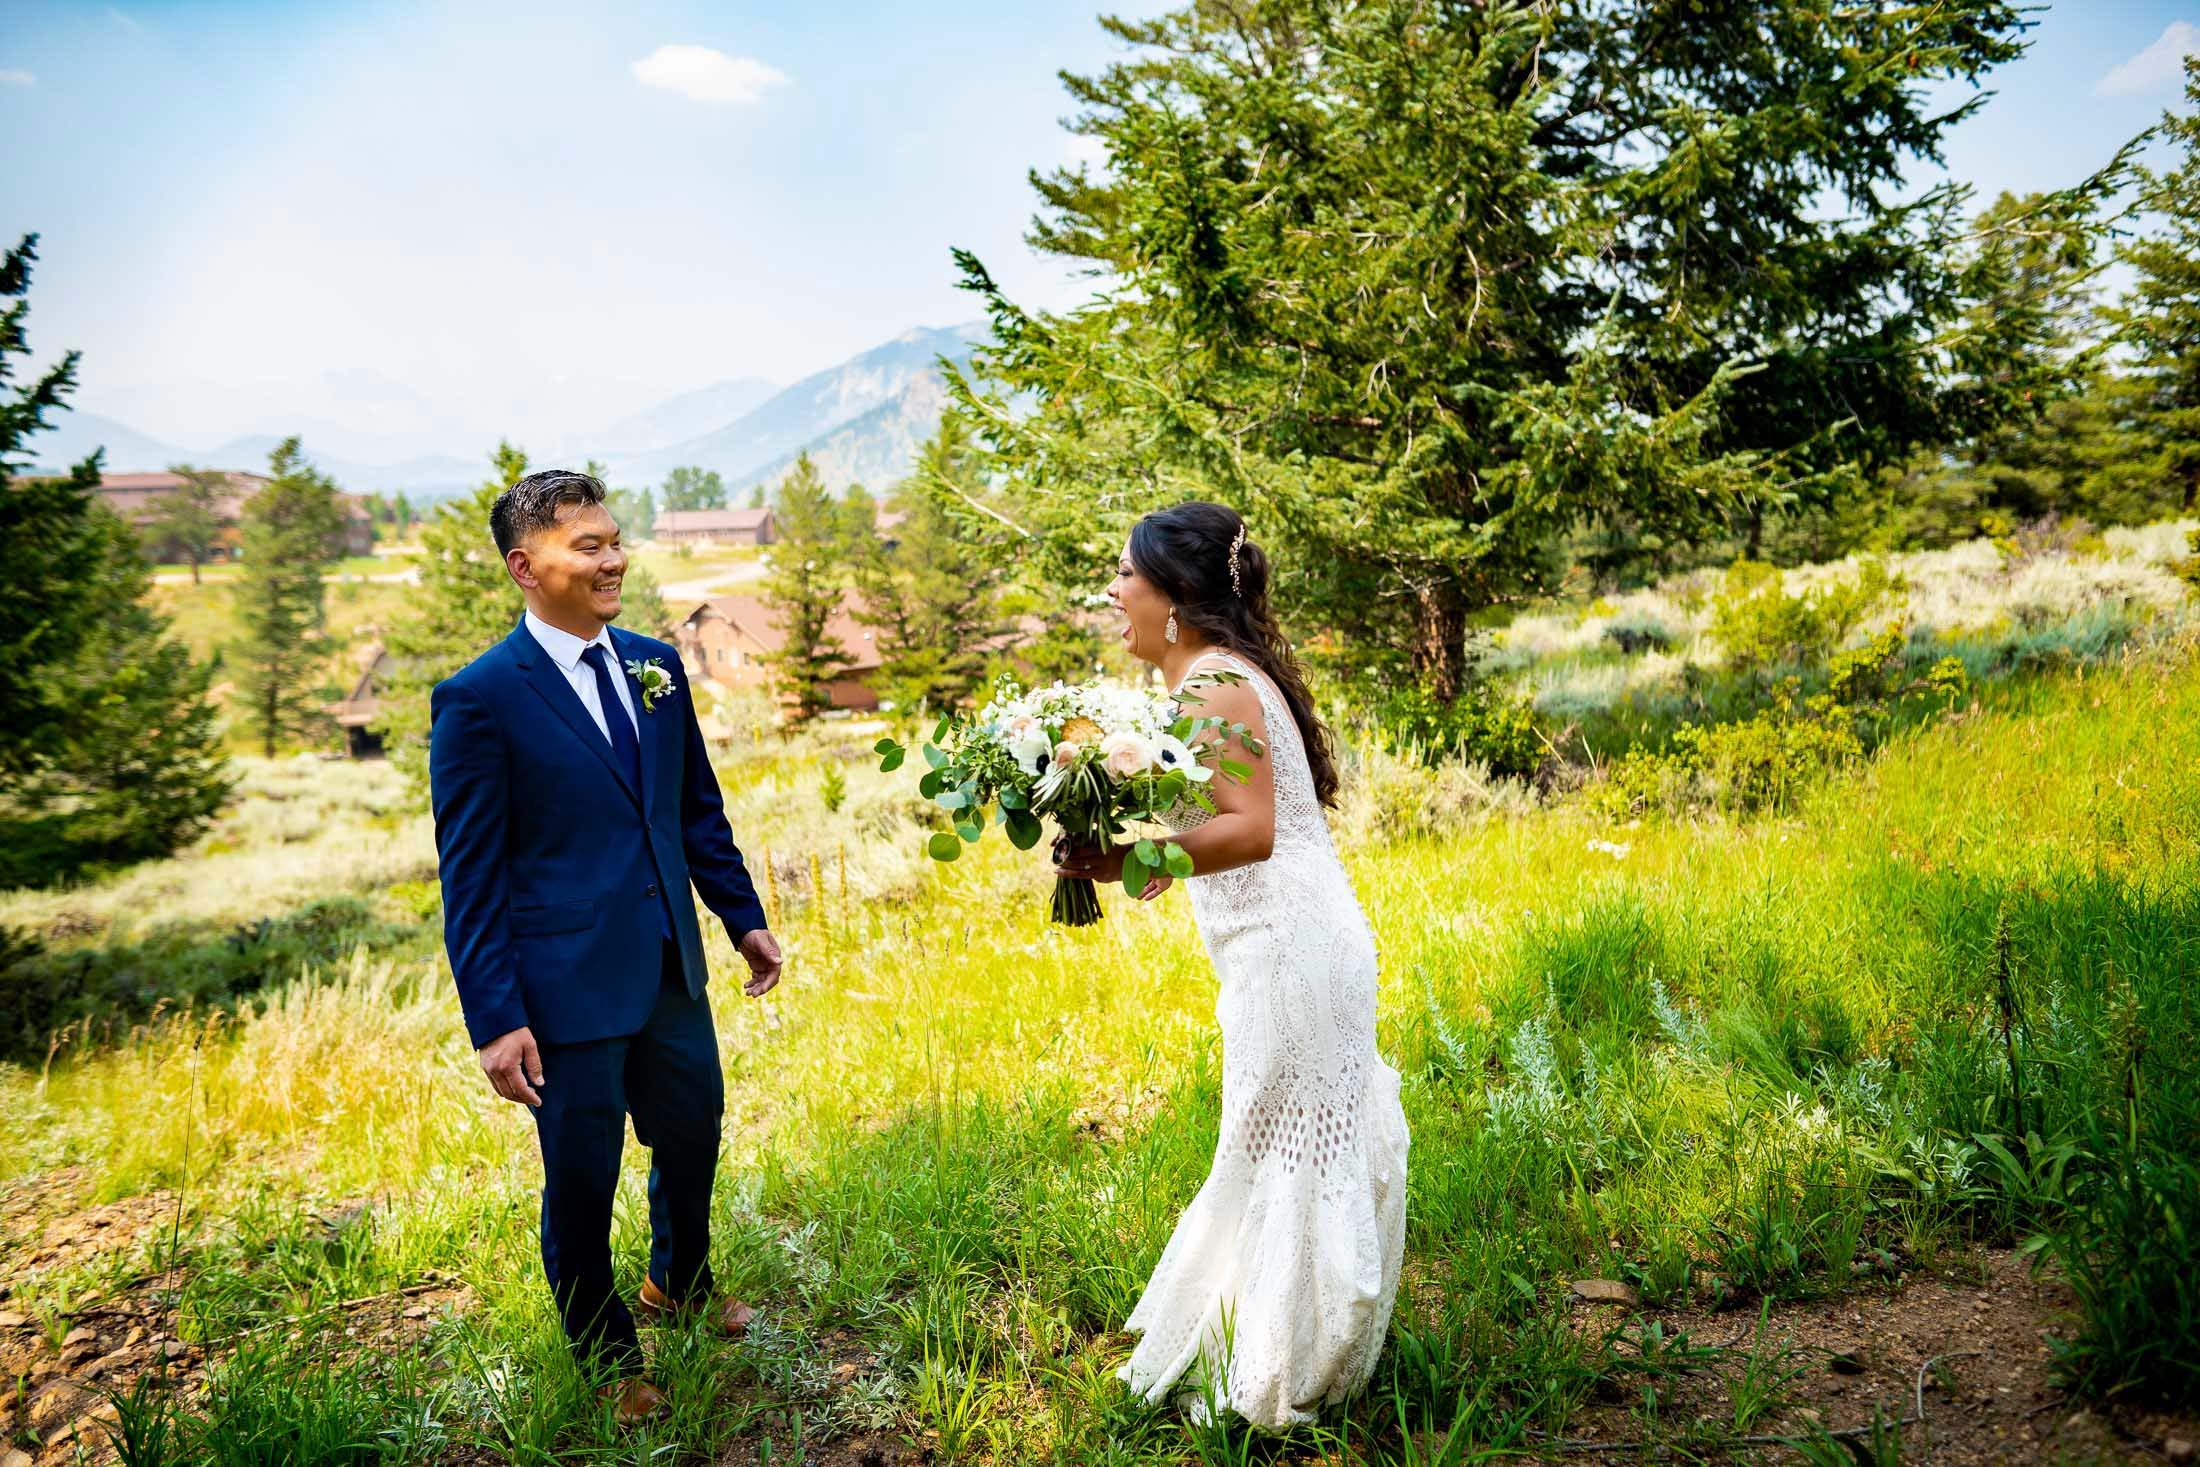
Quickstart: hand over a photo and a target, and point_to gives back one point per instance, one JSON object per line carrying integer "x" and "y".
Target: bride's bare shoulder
{"x": 1221, "y": 690}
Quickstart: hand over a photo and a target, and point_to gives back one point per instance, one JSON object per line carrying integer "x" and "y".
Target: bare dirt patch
{"x": 1976, "y": 1336}
{"x": 59, "y": 1368}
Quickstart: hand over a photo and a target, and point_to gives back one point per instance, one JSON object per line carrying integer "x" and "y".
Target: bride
{"x": 1279, "y": 1279}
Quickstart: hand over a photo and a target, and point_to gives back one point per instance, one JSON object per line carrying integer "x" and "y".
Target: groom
{"x": 574, "y": 805}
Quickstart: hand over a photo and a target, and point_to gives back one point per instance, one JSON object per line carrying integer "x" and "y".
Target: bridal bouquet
{"x": 1094, "y": 759}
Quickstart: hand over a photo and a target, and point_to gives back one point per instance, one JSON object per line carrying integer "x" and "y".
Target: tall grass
{"x": 1721, "y": 1060}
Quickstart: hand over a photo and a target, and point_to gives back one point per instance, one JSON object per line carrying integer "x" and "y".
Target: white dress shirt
{"x": 565, "y": 650}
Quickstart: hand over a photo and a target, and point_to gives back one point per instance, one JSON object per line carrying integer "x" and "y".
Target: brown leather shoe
{"x": 633, "y": 1401}
{"x": 727, "y": 1316}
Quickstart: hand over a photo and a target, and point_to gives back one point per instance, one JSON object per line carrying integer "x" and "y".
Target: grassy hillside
{"x": 1715, "y": 1060}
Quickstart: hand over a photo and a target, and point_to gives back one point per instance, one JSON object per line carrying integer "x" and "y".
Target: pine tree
{"x": 55, "y": 546}
{"x": 107, "y": 743}
{"x": 2160, "y": 318}
{"x": 642, "y": 604}
{"x": 138, "y": 770}
{"x": 804, "y": 591}
{"x": 1421, "y": 289}
{"x": 187, "y": 519}
{"x": 292, "y": 530}
{"x": 693, "y": 488}
{"x": 465, "y": 602}
{"x": 933, "y": 593}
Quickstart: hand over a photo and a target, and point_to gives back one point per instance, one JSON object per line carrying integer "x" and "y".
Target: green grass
{"x": 1717, "y": 1059}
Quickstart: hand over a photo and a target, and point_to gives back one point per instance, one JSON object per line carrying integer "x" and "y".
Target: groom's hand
{"x": 514, "y": 1066}
{"x": 760, "y": 950}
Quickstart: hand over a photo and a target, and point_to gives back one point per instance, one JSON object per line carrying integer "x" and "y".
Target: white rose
{"x": 1126, "y": 754}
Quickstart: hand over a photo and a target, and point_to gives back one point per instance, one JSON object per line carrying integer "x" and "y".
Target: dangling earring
{"x": 1168, "y": 633}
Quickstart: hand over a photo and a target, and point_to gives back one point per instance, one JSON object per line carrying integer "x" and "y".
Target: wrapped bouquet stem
{"x": 1094, "y": 758}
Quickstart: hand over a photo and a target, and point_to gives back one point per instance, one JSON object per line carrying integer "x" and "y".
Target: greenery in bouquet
{"x": 1096, "y": 758}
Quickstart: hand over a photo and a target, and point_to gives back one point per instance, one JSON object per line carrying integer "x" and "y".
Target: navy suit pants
{"x": 666, "y": 1078}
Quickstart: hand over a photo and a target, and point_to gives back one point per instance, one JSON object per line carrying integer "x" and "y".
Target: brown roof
{"x": 706, "y": 520}
{"x": 759, "y": 627}
{"x": 134, "y": 495}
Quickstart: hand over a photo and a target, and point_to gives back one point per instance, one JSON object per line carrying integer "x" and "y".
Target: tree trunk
{"x": 1440, "y": 637}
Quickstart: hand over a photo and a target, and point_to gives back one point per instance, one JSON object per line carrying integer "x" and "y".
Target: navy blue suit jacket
{"x": 557, "y": 873}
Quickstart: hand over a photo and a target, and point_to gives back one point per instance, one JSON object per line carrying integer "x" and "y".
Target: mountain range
{"x": 861, "y": 421}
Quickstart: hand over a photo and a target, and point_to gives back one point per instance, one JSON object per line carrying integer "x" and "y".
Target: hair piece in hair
{"x": 532, "y": 505}
{"x": 1197, "y": 555}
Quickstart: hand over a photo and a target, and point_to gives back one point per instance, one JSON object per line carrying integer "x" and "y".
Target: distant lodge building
{"x": 136, "y": 497}
{"x": 726, "y": 639}
{"x": 737, "y": 526}
{"x": 715, "y": 526}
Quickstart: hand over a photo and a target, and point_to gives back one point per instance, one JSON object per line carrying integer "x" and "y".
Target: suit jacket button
{"x": 652, "y": 891}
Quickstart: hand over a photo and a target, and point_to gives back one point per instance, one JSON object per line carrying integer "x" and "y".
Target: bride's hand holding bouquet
{"x": 1096, "y": 759}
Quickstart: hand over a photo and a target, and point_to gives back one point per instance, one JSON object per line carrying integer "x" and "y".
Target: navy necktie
{"x": 621, "y": 728}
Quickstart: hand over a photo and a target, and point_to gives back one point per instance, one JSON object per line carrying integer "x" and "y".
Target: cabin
{"x": 355, "y": 713}
{"x": 726, "y": 639}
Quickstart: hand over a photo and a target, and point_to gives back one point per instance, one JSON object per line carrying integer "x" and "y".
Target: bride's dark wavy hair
{"x": 1184, "y": 551}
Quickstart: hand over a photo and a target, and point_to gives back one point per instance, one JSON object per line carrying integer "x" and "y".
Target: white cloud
{"x": 704, "y": 75}
{"x": 2157, "y": 68}
{"x": 16, "y": 78}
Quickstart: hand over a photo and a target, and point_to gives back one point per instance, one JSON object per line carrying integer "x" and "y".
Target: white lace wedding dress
{"x": 1282, "y": 1272}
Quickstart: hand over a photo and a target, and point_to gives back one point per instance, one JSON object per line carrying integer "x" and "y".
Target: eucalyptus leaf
{"x": 945, "y": 846}
{"x": 935, "y": 756}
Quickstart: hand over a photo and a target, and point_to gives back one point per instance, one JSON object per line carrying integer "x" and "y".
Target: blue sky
{"x": 449, "y": 221}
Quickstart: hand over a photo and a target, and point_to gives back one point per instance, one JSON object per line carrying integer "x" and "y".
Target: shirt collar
{"x": 564, "y": 648}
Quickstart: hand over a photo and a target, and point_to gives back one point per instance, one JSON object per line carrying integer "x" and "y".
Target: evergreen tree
{"x": 107, "y": 744}
{"x": 465, "y": 602}
{"x": 1420, "y": 289}
{"x": 2160, "y": 318}
{"x": 804, "y": 591}
{"x": 692, "y": 488}
{"x": 402, "y": 512}
{"x": 932, "y": 592}
{"x": 642, "y": 604}
{"x": 635, "y": 510}
{"x": 55, "y": 545}
{"x": 138, "y": 769}
{"x": 187, "y": 519}
{"x": 292, "y": 531}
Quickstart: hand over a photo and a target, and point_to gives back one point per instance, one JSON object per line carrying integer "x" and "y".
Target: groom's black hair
{"x": 533, "y": 504}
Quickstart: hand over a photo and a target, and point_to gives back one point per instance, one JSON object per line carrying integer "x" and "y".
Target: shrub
{"x": 1761, "y": 626}
{"x": 833, "y": 790}
{"x": 1637, "y": 633}
{"x": 1481, "y": 726}
{"x": 1766, "y": 760}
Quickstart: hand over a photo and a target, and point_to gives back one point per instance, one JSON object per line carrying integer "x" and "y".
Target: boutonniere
{"x": 652, "y": 679}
